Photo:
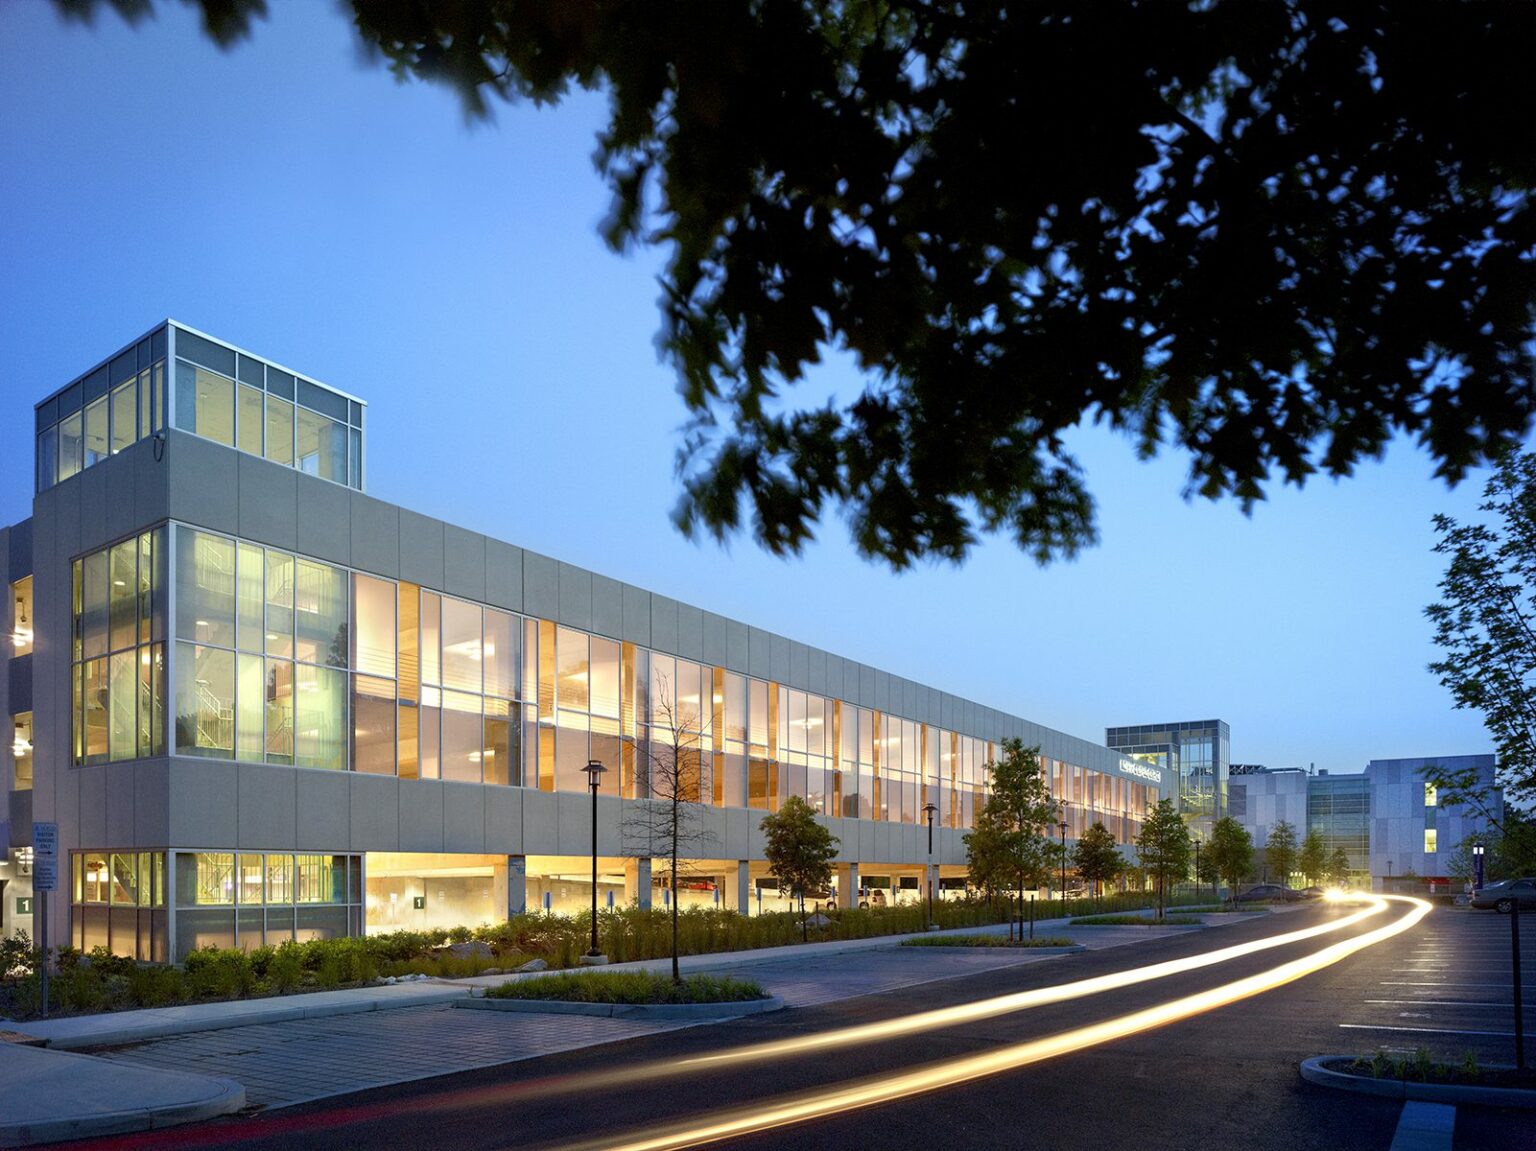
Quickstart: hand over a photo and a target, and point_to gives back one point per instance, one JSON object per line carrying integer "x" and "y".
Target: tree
{"x": 1337, "y": 869}
{"x": 1164, "y": 848}
{"x": 1273, "y": 235}
{"x": 1230, "y": 851}
{"x": 1280, "y": 851}
{"x": 668, "y": 820}
{"x": 799, "y": 850}
{"x": 1484, "y": 620}
{"x": 1011, "y": 844}
{"x": 1313, "y": 860}
{"x": 1096, "y": 857}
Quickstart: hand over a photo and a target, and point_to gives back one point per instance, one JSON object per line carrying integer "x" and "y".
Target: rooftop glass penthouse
{"x": 216, "y": 391}
{"x": 265, "y": 706}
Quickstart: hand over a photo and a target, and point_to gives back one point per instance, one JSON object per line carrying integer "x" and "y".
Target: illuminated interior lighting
{"x": 768, "y": 1115}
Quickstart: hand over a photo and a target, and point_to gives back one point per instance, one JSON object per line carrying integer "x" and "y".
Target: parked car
{"x": 1274, "y": 892}
{"x": 1503, "y": 896}
{"x": 1313, "y": 892}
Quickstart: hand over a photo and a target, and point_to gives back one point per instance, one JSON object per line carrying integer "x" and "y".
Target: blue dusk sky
{"x": 295, "y": 201}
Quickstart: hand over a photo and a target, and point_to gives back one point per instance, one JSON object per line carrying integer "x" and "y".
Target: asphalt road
{"x": 1226, "y": 1078}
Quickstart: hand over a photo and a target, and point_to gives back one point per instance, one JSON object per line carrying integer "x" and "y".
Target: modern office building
{"x": 1411, "y": 832}
{"x": 1195, "y": 752}
{"x": 260, "y": 704}
{"x": 1387, "y": 818}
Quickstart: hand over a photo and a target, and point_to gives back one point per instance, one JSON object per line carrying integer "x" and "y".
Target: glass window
{"x": 122, "y": 717}
{"x": 151, "y": 700}
{"x": 96, "y": 442}
{"x": 250, "y": 598}
{"x": 21, "y": 615}
{"x": 604, "y": 677}
{"x": 150, "y": 627}
{"x": 125, "y": 416}
{"x": 279, "y": 711}
{"x": 21, "y": 749}
{"x": 214, "y": 877}
{"x": 71, "y": 445}
{"x": 461, "y": 645}
{"x": 1431, "y": 795}
{"x": 94, "y": 698}
{"x": 322, "y": 879}
{"x": 205, "y": 701}
{"x": 462, "y": 735}
{"x": 1431, "y": 840}
{"x": 144, "y": 402}
{"x": 205, "y": 587}
{"x": 96, "y": 878}
{"x": 373, "y": 725}
{"x": 250, "y": 885}
{"x": 251, "y": 698}
{"x": 572, "y": 671}
{"x": 408, "y": 740}
{"x": 94, "y": 604}
{"x": 279, "y": 870}
{"x": 123, "y": 594}
{"x": 499, "y": 655}
{"x": 280, "y": 581}
{"x": 320, "y": 717}
{"x": 374, "y": 608}
{"x": 250, "y": 419}
{"x": 321, "y": 446}
{"x": 431, "y": 637}
{"x": 409, "y": 637}
{"x": 279, "y": 431}
{"x": 501, "y": 761}
{"x": 355, "y": 457}
{"x": 320, "y": 613}
{"x": 205, "y": 403}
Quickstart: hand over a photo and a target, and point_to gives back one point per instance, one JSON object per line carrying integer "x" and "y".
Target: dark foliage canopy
{"x": 1270, "y": 233}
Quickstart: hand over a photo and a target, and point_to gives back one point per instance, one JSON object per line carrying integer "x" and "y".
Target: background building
{"x": 268, "y": 706}
{"x": 1195, "y": 752}
{"x": 1412, "y": 833}
{"x": 1388, "y": 820}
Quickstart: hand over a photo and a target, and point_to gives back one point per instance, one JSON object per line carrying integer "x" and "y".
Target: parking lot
{"x": 1448, "y": 987}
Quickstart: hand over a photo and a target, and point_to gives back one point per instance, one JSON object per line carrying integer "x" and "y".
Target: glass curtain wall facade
{"x": 289, "y": 660}
{"x": 1197, "y": 753}
{"x": 1339, "y": 809}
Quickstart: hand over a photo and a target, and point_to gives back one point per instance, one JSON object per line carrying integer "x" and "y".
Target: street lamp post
{"x": 1063, "y": 826}
{"x": 594, "y": 771}
{"x": 930, "y": 810}
{"x": 1197, "y": 870}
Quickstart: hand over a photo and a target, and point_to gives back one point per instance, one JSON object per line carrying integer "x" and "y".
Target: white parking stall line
{"x": 1424, "y": 1030}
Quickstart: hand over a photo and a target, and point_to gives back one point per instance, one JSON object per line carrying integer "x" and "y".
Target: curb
{"x": 230, "y": 1098}
{"x": 1313, "y": 1071}
{"x": 1043, "y": 952}
{"x": 165, "y": 1028}
{"x": 699, "y": 1011}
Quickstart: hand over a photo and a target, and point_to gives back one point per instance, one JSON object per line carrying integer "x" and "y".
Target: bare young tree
{"x": 673, "y": 783}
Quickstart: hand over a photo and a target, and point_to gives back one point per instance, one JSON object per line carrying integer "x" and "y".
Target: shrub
{"x": 17, "y": 957}
{"x": 630, "y": 987}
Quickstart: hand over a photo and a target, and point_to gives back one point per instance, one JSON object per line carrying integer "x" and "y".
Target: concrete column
{"x": 847, "y": 884}
{"x": 637, "y": 881}
{"x": 517, "y": 885}
{"x": 743, "y": 902}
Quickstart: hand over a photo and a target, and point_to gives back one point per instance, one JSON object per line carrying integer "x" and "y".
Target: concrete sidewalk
{"x": 46, "y": 1096}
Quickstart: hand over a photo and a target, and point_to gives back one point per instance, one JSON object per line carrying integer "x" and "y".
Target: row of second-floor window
{"x": 284, "y": 659}
{"x": 118, "y": 404}
{"x": 118, "y": 645}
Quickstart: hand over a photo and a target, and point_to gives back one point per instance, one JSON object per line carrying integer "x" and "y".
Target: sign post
{"x": 45, "y": 879}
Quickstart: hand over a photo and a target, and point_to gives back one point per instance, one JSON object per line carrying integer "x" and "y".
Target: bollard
{"x": 1031, "y": 917}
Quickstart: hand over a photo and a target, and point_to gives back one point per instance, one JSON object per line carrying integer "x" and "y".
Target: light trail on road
{"x": 502, "y": 1095}
{"x": 890, "y": 1087}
